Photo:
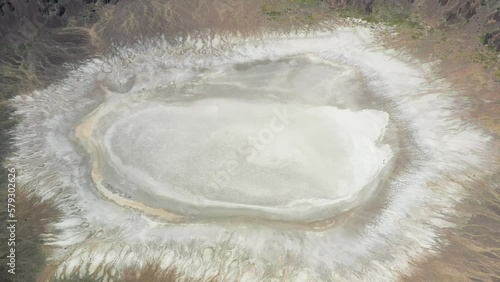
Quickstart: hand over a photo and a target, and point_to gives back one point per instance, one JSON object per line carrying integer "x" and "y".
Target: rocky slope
{"x": 484, "y": 15}
{"x": 23, "y": 19}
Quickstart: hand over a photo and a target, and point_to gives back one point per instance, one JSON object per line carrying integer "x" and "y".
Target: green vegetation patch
{"x": 485, "y": 38}
{"x": 487, "y": 58}
{"x": 306, "y": 2}
{"x": 383, "y": 15}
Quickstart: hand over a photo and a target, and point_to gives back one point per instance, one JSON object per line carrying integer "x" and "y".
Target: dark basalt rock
{"x": 51, "y": 8}
{"x": 7, "y": 6}
{"x": 495, "y": 40}
{"x": 22, "y": 19}
{"x": 495, "y": 16}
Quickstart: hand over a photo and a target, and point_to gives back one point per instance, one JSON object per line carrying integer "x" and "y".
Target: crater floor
{"x": 283, "y": 139}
